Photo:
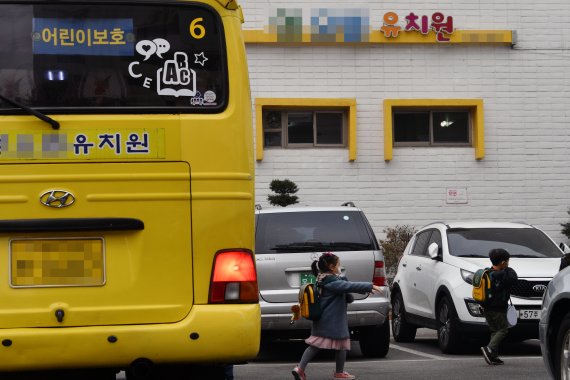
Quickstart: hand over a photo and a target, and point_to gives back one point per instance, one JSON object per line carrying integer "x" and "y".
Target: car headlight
{"x": 474, "y": 308}
{"x": 467, "y": 276}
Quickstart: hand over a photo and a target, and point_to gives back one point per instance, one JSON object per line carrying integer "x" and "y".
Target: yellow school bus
{"x": 126, "y": 187}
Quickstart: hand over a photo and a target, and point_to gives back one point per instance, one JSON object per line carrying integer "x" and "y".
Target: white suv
{"x": 433, "y": 289}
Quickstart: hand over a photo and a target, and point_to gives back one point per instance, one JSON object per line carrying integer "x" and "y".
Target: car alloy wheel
{"x": 401, "y": 329}
{"x": 565, "y": 357}
{"x": 397, "y": 316}
{"x": 445, "y": 324}
{"x": 447, "y": 336}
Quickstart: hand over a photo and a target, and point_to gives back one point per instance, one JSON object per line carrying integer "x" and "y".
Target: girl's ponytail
{"x": 314, "y": 268}
{"x": 322, "y": 265}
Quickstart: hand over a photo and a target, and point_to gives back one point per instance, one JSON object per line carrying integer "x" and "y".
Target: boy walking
{"x": 495, "y": 310}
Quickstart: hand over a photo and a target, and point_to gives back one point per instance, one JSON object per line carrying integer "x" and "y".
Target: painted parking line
{"x": 416, "y": 352}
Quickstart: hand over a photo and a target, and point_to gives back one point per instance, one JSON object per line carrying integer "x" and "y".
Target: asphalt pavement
{"x": 406, "y": 361}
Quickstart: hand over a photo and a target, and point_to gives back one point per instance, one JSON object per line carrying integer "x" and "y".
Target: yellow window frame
{"x": 349, "y": 104}
{"x": 475, "y": 105}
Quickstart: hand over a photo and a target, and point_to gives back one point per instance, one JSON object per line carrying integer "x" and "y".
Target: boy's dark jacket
{"x": 502, "y": 282}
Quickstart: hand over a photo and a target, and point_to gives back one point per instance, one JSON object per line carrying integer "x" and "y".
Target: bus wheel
{"x": 141, "y": 369}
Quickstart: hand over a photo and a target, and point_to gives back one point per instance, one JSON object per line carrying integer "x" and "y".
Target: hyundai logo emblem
{"x": 539, "y": 288}
{"x": 57, "y": 198}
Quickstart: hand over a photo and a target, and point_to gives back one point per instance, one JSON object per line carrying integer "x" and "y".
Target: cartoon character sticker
{"x": 174, "y": 77}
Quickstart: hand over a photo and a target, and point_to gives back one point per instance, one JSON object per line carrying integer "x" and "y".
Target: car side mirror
{"x": 433, "y": 251}
{"x": 564, "y": 247}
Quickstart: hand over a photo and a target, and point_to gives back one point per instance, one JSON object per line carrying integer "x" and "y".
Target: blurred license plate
{"x": 307, "y": 278}
{"x": 57, "y": 262}
{"x": 529, "y": 314}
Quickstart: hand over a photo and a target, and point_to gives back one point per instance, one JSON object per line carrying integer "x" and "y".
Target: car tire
{"x": 448, "y": 337}
{"x": 375, "y": 340}
{"x": 402, "y": 331}
{"x": 561, "y": 354}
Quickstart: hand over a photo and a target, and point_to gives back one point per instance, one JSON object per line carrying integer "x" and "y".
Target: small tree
{"x": 566, "y": 227}
{"x": 393, "y": 247}
{"x": 284, "y": 193}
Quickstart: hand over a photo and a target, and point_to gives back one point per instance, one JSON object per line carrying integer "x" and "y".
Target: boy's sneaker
{"x": 497, "y": 361}
{"x": 343, "y": 375}
{"x": 298, "y": 374}
{"x": 487, "y": 354}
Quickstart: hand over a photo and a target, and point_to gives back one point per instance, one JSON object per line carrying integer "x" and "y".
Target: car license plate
{"x": 529, "y": 314}
{"x": 307, "y": 278}
{"x": 57, "y": 262}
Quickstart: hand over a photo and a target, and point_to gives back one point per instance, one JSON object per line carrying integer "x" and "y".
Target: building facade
{"x": 416, "y": 111}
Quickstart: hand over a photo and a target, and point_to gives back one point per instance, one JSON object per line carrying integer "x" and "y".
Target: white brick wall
{"x": 525, "y": 175}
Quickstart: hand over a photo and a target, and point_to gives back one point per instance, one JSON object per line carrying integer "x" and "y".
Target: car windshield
{"x": 312, "y": 232}
{"x": 519, "y": 242}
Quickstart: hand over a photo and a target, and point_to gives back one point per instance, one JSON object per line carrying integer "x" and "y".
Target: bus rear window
{"x": 72, "y": 58}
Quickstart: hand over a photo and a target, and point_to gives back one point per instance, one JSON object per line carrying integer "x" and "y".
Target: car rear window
{"x": 312, "y": 231}
{"x": 157, "y": 57}
{"x": 520, "y": 242}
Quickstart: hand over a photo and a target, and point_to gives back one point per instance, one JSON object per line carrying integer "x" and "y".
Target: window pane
{"x": 76, "y": 73}
{"x": 271, "y": 119}
{"x": 311, "y": 231}
{"x": 451, "y": 127}
{"x": 300, "y": 128}
{"x": 420, "y": 246}
{"x": 411, "y": 127}
{"x": 329, "y": 128}
{"x": 521, "y": 242}
{"x": 272, "y": 139}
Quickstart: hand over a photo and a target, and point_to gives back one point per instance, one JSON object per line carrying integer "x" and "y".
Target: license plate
{"x": 307, "y": 278}
{"x": 57, "y": 262}
{"x": 529, "y": 314}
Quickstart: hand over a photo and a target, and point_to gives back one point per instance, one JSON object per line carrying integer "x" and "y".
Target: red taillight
{"x": 234, "y": 279}
{"x": 379, "y": 278}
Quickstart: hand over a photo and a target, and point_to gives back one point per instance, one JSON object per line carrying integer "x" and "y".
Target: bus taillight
{"x": 234, "y": 279}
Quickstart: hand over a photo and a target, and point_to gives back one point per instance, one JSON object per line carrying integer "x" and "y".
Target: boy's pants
{"x": 497, "y": 322}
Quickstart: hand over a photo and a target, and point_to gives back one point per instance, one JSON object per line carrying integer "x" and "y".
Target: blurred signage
{"x": 456, "y": 195}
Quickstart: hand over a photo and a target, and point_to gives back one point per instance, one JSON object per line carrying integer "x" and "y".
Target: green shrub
{"x": 284, "y": 193}
{"x": 393, "y": 247}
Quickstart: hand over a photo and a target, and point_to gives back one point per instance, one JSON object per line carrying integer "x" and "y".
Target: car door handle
{"x": 418, "y": 268}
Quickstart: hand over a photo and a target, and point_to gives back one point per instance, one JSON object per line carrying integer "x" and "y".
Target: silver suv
{"x": 288, "y": 240}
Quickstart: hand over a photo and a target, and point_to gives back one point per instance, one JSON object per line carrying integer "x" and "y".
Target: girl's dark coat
{"x": 334, "y": 321}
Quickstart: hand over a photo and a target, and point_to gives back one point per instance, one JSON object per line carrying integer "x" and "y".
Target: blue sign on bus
{"x": 83, "y": 36}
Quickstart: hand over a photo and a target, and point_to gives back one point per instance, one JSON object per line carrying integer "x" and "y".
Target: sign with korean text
{"x": 423, "y": 24}
{"x": 456, "y": 195}
{"x": 112, "y": 37}
{"x": 352, "y": 25}
{"x": 83, "y": 145}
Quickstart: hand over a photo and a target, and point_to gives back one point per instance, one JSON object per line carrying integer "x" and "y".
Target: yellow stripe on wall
{"x": 484, "y": 37}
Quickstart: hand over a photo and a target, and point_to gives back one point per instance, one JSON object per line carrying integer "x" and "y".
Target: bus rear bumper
{"x": 209, "y": 334}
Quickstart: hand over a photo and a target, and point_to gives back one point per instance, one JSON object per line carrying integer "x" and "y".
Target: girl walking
{"x": 330, "y": 332}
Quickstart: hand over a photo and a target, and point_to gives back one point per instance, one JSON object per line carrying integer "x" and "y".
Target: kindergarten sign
{"x": 358, "y": 26}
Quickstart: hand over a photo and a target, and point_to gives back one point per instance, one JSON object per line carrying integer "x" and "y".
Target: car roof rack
{"x": 435, "y": 222}
{"x": 348, "y": 204}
